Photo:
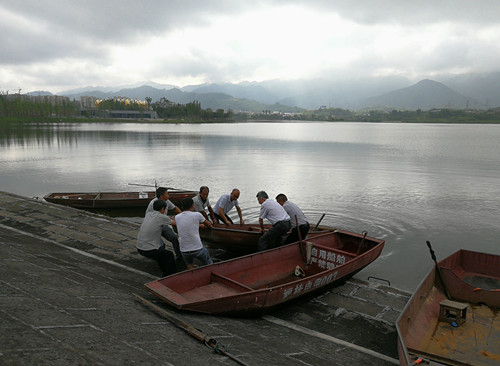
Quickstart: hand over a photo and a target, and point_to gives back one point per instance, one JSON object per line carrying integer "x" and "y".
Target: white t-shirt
{"x": 170, "y": 205}
{"x": 188, "y": 228}
{"x": 272, "y": 211}
{"x": 149, "y": 237}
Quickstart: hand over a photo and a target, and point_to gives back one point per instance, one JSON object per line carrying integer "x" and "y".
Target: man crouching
{"x": 149, "y": 241}
{"x": 188, "y": 224}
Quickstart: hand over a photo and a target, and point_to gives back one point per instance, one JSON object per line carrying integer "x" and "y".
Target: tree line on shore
{"x": 26, "y": 109}
{"x": 23, "y": 107}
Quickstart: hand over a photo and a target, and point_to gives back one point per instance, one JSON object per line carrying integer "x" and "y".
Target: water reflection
{"x": 67, "y": 135}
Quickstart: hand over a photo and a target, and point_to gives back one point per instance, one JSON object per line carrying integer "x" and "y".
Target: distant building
{"x": 130, "y": 114}
{"x": 51, "y": 99}
{"x": 87, "y": 102}
{"x": 93, "y": 107}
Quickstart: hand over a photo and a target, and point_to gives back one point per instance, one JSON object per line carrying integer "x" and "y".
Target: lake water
{"x": 405, "y": 183}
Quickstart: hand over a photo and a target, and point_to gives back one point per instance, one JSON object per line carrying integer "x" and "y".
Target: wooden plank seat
{"x": 215, "y": 277}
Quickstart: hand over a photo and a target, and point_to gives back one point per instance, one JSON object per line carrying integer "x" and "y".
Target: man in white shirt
{"x": 188, "y": 225}
{"x": 277, "y": 216}
{"x": 149, "y": 241}
{"x": 225, "y": 204}
{"x": 296, "y": 215}
{"x": 168, "y": 233}
{"x": 201, "y": 203}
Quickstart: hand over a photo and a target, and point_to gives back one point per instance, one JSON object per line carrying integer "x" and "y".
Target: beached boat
{"x": 105, "y": 200}
{"x": 453, "y": 316}
{"x": 256, "y": 283}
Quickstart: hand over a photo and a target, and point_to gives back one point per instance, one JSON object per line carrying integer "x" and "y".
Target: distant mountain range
{"x": 457, "y": 92}
{"x": 426, "y": 94}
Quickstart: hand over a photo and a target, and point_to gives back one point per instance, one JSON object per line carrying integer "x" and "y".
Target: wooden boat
{"x": 462, "y": 328}
{"x": 105, "y": 200}
{"x": 256, "y": 283}
{"x": 243, "y": 238}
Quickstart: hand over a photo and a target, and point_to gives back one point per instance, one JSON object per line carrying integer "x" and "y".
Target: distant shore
{"x": 55, "y": 120}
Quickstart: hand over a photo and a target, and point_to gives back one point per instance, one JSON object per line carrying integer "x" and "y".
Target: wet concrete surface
{"x": 68, "y": 281}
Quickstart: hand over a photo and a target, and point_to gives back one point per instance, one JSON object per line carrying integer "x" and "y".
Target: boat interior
{"x": 451, "y": 332}
{"x": 477, "y": 269}
{"x": 474, "y": 342}
{"x": 255, "y": 272}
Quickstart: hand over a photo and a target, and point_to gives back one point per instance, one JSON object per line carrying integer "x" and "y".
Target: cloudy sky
{"x": 57, "y": 45}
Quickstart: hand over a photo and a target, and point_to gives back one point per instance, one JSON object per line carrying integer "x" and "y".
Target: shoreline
{"x": 4, "y": 121}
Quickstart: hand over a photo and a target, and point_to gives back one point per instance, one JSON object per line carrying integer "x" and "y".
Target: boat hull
{"x": 110, "y": 200}
{"x": 421, "y": 332}
{"x": 242, "y": 239}
{"x": 254, "y": 284}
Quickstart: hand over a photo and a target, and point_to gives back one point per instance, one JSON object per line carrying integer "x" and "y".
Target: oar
{"x": 148, "y": 185}
{"x": 320, "y": 219}
{"x": 438, "y": 270}
{"x": 362, "y": 242}
{"x": 141, "y": 185}
{"x": 196, "y": 333}
{"x": 304, "y": 256}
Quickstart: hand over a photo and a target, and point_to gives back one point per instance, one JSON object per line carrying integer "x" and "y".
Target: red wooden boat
{"x": 106, "y": 200}
{"x": 453, "y": 316}
{"x": 243, "y": 239}
{"x": 255, "y": 283}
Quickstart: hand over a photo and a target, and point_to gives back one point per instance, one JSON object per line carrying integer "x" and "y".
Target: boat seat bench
{"x": 215, "y": 277}
{"x": 336, "y": 251}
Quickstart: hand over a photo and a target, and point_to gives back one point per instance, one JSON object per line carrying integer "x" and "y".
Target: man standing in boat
{"x": 149, "y": 241}
{"x": 277, "y": 216}
{"x": 188, "y": 225}
{"x": 295, "y": 214}
{"x": 225, "y": 204}
{"x": 168, "y": 233}
{"x": 201, "y": 203}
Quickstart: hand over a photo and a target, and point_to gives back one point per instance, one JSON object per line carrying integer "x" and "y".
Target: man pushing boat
{"x": 167, "y": 232}
{"x": 225, "y": 204}
{"x": 277, "y": 216}
{"x": 188, "y": 224}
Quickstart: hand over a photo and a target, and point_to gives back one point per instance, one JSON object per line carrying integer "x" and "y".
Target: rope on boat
{"x": 192, "y": 331}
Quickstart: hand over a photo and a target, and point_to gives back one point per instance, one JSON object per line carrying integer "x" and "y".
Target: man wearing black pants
{"x": 277, "y": 216}
{"x": 167, "y": 231}
{"x": 296, "y": 215}
{"x": 149, "y": 241}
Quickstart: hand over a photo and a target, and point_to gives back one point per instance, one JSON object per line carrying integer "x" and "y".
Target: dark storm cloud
{"x": 58, "y": 43}
{"x": 35, "y": 30}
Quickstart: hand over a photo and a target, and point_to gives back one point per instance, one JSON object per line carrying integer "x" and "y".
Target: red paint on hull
{"x": 105, "y": 200}
{"x": 471, "y": 278}
{"x": 258, "y": 282}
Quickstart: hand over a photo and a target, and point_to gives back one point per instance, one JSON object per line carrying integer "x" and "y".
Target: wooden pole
{"x": 192, "y": 331}
{"x": 438, "y": 270}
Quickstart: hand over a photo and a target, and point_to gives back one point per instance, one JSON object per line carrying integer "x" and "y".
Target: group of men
{"x": 282, "y": 214}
